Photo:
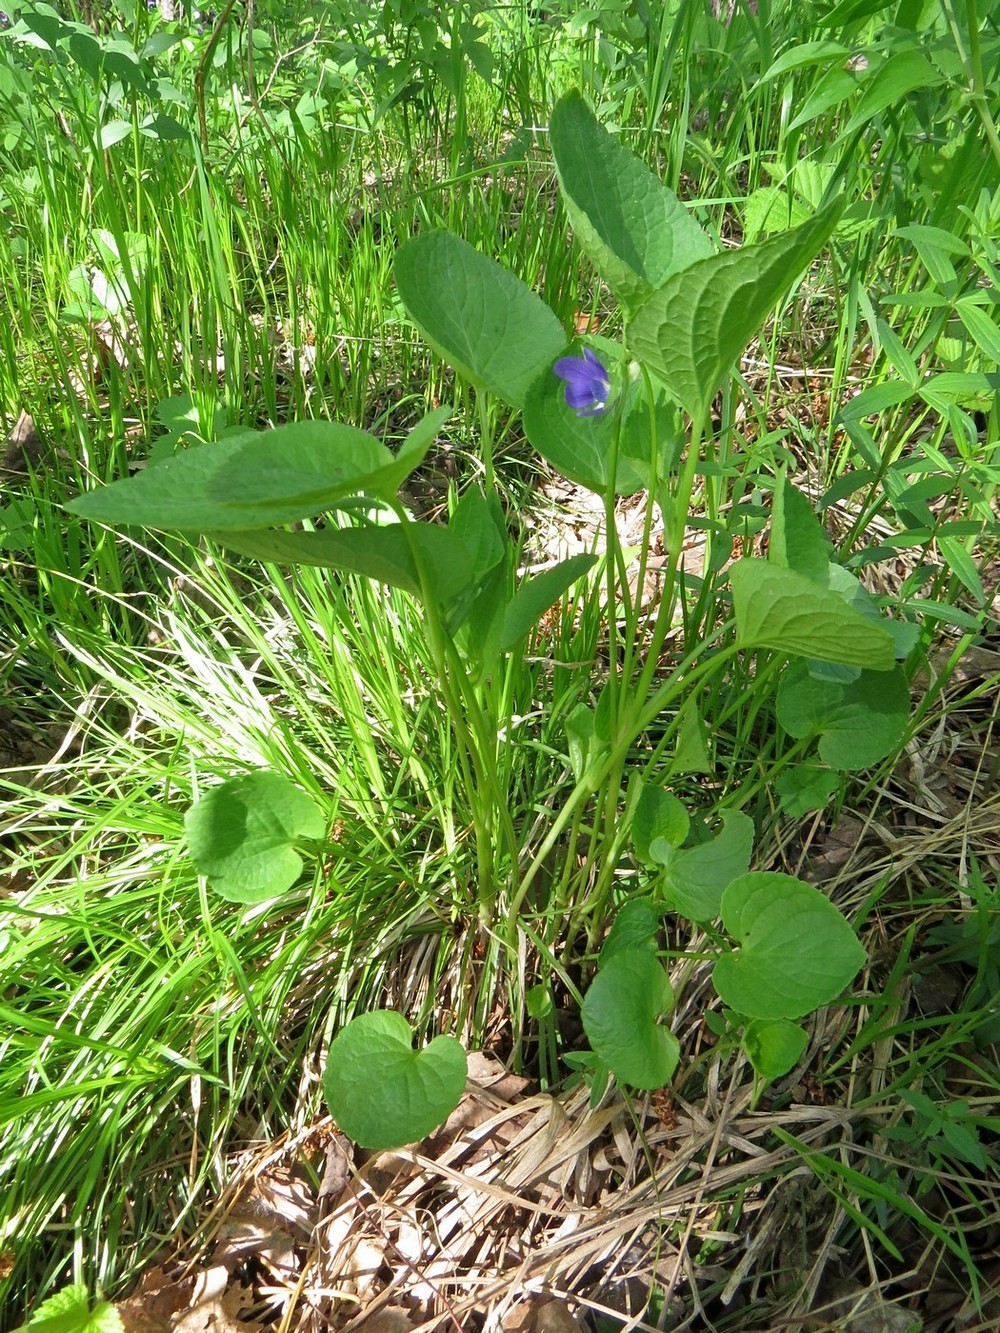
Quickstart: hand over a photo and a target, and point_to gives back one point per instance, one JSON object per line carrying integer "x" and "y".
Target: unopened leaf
{"x": 635, "y": 927}
{"x": 798, "y": 541}
{"x": 658, "y": 814}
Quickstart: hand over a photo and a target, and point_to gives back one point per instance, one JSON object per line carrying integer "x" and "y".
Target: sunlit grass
{"x": 144, "y": 1027}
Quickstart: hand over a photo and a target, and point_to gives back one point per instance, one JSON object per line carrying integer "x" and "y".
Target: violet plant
{"x": 632, "y": 417}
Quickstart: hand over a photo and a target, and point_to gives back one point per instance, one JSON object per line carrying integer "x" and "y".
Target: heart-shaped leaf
{"x": 858, "y": 722}
{"x": 797, "y": 951}
{"x": 477, "y": 315}
{"x": 619, "y": 1015}
{"x": 692, "y": 330}
{"x": 631, "y": 225}
{"x": 781, "y": 609}
{"x": 381, "y": 1092}
{"x": 774, "y": 1046}
{"x": 695, "y": 877}
{"x": 242, "y": 835}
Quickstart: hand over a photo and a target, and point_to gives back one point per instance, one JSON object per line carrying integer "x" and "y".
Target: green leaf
{"x": 780, "y": 609}
{"x": 691, "y": 752}
{"x": 774, "y": 1046}
{"x": 797, "y": 950}
{"x": 384, "y": 553}
{"x": 836, "y": 86}
{"x": 635, "y": 927}
{"x": 695, "y": 877}
{"x": 68, "y": 1311}
{"x": 251, "y": 480}
{"x": 658, "y": 815}
{"x": 619, "y": 1016}
{"x": 961, "y": 563}
{"x": 805, "y": 787}
{"x": 901, "y": 74}
{"x": 692, "y": 330}
{"x": 476, "y": 314}
{"x": 771, "y": 209}
{"x": 588, "y": 734}
{"x": 636, "y": 230}
{"x": 535, "y": 595}
{"x": 381, "y": 1092}
{"x": 858, "y": 722}
{"x": 806, "y": 53}
{"x": 583, "y": 448}
{"x": 242, "y": 835}
{"x": 983, "y": 329}
{"x": 113, "y": 131}
{"x": 798, "y": 541}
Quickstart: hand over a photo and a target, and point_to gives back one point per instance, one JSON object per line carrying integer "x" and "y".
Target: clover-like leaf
{"x": 242, "y": 835}
{"x": 381, "y": 1092}
{"x": 858, "y": 722}
{"x": 620, "y": 1012}
{"x": 797, "y": 951}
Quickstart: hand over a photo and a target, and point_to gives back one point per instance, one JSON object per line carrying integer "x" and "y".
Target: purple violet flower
{"x": 587, "y": 383}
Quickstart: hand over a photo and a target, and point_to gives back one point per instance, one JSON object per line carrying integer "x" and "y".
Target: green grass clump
{"x": 201, "y": 230}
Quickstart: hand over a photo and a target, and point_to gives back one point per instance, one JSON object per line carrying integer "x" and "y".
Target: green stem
{"x": 688, "y": 673}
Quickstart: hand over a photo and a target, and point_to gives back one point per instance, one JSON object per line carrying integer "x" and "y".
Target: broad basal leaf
{"x": 797, "y": 951}
{"x": 242, "y": 835}
{"x": 780, "y": 609}
{"x": 620, "y": 1012}
{"x": 381, "y": 1092}
{"x": 252, "y": 480}
{"x": 695, "y": 877}
{"x": 858, "y": 722}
